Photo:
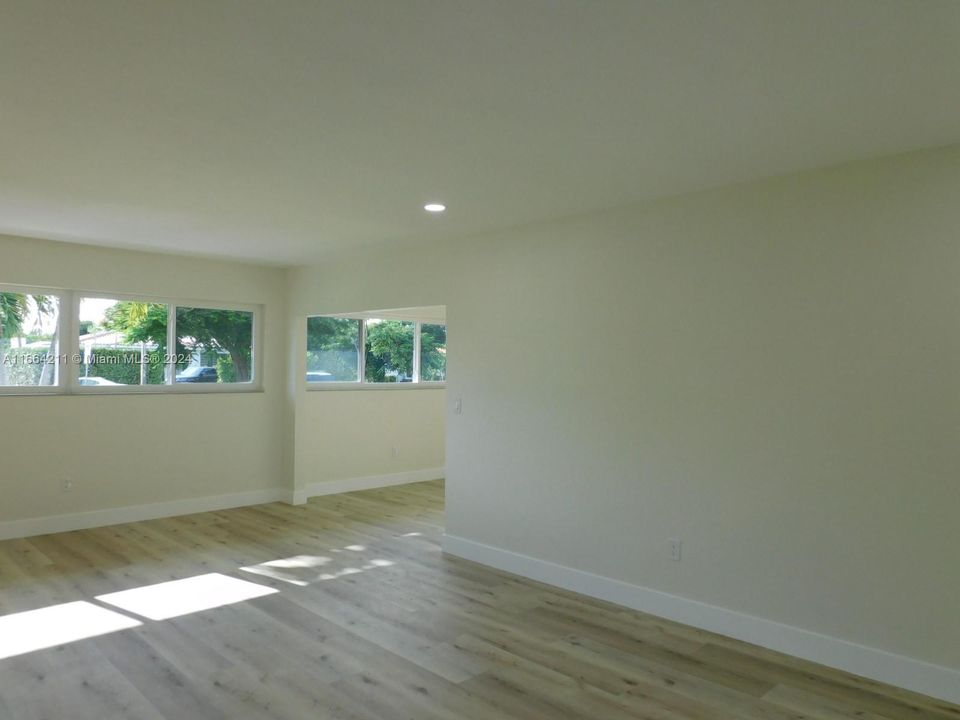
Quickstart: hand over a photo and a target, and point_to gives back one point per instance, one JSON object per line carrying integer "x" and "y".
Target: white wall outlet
{"x": 457, "y": 406}
{"x": 66, "y": 485}
{"x": 676, "y": 549}
{"x": 395, "y": 451}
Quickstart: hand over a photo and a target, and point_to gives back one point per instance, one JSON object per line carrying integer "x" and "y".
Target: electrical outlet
{"x": 66, "y": 485}
{"x": 457, "y": 406}
{"x": 395, "y": 451}
{"x": 676, "y": 550}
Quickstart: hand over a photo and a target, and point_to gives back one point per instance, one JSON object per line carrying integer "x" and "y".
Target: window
{"x": 29, "y": 339}
{"x": 374, "y": 351}
{"x": 214, "y": 346}
{"x": 433, "y": 353}
{"x": 388, "y": 349}
{"x": 333, "y": 349}
{"x": 122, "y": 342}
{"x": 128, "y": 342}
{"x": 61, "y": 341}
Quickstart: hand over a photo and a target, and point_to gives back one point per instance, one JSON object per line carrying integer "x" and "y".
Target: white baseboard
{"x": 133, "y": 513}
{"x": 369, "y": 482}
{"x": 904, "y": 672}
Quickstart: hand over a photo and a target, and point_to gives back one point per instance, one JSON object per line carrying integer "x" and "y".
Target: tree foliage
{"x": 333, "y": 346}
{"x": 15, "y": 311}
{"x": 433, "y": 353}
{"x": 198, "y": 330}
{"x": 389, "y": 351}
{"x": 229, "y": 331}
{"x": 15, "y": 308}
{"x": 140, "y": 323}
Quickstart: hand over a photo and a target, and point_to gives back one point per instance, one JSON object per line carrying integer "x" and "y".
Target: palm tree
{"x": 15, "y": 309}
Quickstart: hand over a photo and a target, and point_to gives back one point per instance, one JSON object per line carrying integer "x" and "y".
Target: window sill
{"x": 132, "y": 390}
{"x": 27, "y": 391}
{"x": 184, "y": 389}
{"x": 338, "y": 386}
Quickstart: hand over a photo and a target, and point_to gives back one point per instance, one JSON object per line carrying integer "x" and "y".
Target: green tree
{"x": 15, "y": 309}
{"x": 13, "y": 312}
{"x": 389, "y": 349}
{"x": 198, "y": 329}
{"x": 140, "y": 323}
{"x": 227, "y": 331}
{"x": 333, "y": 346}
{"x": 433, "y": 352}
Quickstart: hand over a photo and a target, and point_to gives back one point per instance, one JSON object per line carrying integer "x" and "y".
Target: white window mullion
{"x": 256, "y": 342}
{"x": 416, "y": 351}
{"x": 69, "y": 350}
{"x": 363, "y": 350}
{"x": 169, "y": 368}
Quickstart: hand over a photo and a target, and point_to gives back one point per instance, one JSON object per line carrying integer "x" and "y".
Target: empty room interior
{"x": 480, "y": 359}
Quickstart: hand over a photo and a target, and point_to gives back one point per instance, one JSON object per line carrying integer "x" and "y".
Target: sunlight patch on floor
{"x": 182, "y": 597}
{"x": 302, "y": 570}
{"x": 56, "y": 625}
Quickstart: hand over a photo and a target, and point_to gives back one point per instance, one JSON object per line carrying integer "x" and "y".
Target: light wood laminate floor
{"x": 346, "y": 608}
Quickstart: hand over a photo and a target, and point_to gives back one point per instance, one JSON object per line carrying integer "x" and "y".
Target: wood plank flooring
{"x": 366, "y": 619}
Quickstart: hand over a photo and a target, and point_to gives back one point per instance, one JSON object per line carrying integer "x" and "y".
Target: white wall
{"x": 769, "y": 372}
{"x": 124, "y": 450}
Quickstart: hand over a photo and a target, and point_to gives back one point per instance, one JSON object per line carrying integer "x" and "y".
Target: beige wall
{"x": 127, "y": 450}
{"x": 770, "y": 373}
{"x": 349, "y": 434}
{"x": 132, "y": 449}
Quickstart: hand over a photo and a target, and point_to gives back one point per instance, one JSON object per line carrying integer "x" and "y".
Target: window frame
{"x": 68, "y": 374}
{"x": 362, "y": 383}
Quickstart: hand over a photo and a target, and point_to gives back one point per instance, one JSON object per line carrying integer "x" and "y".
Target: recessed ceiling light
{"x": 434, "y": 207}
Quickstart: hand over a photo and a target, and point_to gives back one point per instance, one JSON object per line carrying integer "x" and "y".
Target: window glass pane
{"x": 333, "y": 350}
{"x": 29, "y": 340}
{"x": 389, "y": 351}
{"x": 214, "y": 346}
{"x": 122, "y": 342}
{"x": 433, "y": 353}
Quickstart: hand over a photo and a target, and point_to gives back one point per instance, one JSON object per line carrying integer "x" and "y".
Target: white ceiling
{"x": 281, "y": 131}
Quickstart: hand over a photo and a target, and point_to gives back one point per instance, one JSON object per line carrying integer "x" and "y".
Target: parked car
{"x": 97, "y": 381}
{"x": 198, "y": 374}
{"x": 319, "y": 376}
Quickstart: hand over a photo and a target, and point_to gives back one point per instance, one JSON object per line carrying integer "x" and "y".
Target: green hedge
{"x": 123, "y": 366}
{"x": 226, "y": 372}
{"x": 24, "y": 367}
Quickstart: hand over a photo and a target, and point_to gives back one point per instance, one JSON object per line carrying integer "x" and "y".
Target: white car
{"x": 97, "y": 381}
